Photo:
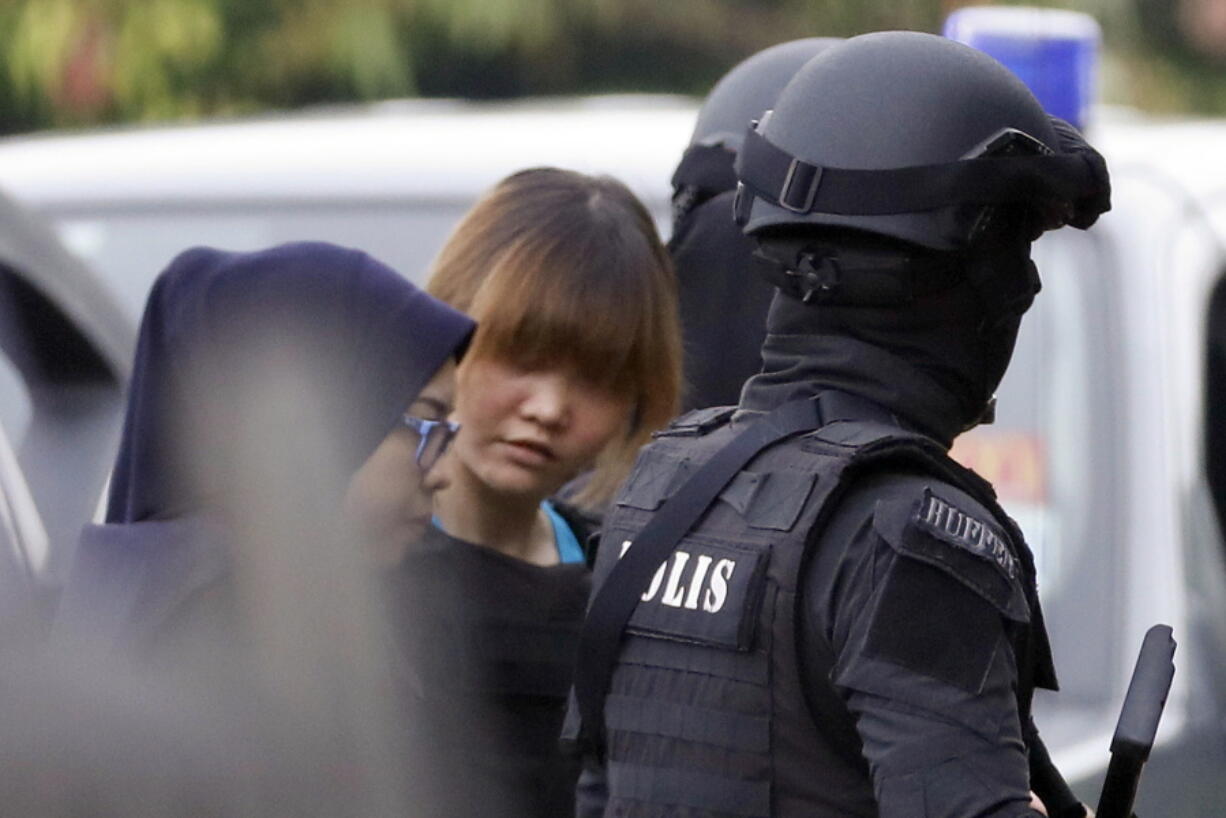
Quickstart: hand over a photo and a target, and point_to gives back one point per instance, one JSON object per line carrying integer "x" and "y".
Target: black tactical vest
{"x": 706, "y": 715}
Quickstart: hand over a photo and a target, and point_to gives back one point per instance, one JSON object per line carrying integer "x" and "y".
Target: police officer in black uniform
{"x": 723, "y": 313}
{"x": 803, "y": 605}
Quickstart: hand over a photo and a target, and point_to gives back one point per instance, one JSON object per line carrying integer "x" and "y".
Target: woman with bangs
{"x": 576, "y": 360}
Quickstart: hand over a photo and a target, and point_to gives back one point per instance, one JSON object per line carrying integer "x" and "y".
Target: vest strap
{"x": 614, "y": 603}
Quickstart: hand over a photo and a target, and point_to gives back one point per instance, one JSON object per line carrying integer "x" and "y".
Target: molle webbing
{"x": 694, "y": 727}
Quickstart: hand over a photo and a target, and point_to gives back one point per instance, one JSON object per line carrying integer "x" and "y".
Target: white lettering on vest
{"x": 675, "y": 592}
{"x": 656, "y": 581}
{"x": 970, "y": 533}
{"x": 700, "y": 574}
{"x": 678, "y": 594}
{"x": 717, "y": 594}
{"x": 935, "y": 510}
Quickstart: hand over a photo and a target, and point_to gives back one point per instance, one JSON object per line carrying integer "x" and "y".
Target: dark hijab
{"x": 223, "y": 574}
{"x": 262, "y": 381}
{"x": 352, "y": 340}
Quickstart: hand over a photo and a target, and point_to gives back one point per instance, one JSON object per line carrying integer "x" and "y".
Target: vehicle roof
{"x": 446, "y": 149}
{"x": 453, "y": 149}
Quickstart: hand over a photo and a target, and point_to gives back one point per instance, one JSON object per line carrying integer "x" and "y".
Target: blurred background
{"x": 351, "y": 122}
{"x": 81, "y": 62}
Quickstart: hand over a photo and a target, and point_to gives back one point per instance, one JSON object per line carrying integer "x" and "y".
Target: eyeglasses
{"x": 433, "y": 438}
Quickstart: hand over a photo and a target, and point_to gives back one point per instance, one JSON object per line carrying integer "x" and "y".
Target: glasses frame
{"x": 427, "y": 430}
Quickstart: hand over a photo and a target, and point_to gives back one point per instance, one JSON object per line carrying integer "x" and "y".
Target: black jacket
{"x": 487, "y": 650}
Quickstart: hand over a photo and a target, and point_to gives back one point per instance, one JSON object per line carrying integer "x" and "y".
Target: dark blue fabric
{"x": 356, "y": 341}
{"x": 128, "y": 577}
{"x": 218, "y": 322}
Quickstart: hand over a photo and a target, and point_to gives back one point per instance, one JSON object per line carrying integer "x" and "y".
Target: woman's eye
{"x": 430, "y": 409}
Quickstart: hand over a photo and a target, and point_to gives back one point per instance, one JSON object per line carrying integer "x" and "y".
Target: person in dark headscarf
{"x": 238, "y": 353}
{"x": 285, "y": 410}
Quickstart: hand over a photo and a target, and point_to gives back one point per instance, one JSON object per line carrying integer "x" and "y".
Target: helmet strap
{"x": 836, "y": 275}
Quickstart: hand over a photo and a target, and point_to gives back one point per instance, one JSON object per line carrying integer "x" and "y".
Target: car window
{"x": 128, "y": 248}
{"x": 60, "y": 404}
{"x": 19, "y": 524}
{"x": 23, "y": 539}
{"x": 15, "y": 405}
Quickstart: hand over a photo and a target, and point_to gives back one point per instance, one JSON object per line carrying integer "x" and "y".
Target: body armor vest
{"x": 707, "y": 714}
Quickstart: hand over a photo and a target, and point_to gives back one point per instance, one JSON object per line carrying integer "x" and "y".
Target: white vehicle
{"x": 390, "y": 178}
{"x": 1099, "y": 449}
{"x": 65, "y": 354}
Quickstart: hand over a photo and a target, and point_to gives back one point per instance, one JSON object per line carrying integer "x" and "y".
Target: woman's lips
{"x": 528, "y": 452}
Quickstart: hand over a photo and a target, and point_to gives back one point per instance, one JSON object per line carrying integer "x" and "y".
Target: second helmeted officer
{"x": 723, "y": 305}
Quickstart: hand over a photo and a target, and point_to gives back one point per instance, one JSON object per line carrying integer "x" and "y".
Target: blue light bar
{"x": 1055, "y": 52}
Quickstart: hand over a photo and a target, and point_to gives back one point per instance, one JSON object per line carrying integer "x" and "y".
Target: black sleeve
{"x": 1048, "y": 782}
{"x": 918, "y": 622}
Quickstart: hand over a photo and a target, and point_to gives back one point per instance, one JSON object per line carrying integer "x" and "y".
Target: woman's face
{"x": 389, "y": 498}
{"x": 528, "y": 432}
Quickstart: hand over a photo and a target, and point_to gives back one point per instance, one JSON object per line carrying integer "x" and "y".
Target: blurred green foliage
{"x": 78, "y": 62}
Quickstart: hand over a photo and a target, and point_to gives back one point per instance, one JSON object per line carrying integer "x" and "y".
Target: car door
{"x": 65, "y": 348}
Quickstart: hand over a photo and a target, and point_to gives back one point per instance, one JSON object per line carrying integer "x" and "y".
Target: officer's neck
{"x": 800, "y": 365}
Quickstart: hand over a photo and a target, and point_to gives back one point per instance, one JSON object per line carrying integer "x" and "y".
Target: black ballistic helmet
{"x": 740, "y": 97}
{"x": 723, "y": 309}
{"x": 930, "y": 162}
{"x": 750, "y": 88}
{"x": 872, "y": 133}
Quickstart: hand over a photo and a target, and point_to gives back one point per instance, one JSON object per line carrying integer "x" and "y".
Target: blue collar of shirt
{"x": 569, "y": 550}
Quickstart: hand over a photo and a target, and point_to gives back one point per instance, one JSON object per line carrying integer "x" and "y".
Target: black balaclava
{"x": 723, "y": 304}
{"x": 352, "y": 339}
{"x": 934, "y": 362}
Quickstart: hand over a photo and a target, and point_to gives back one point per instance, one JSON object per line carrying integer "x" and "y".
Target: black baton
{"x": 1138, "y": 724}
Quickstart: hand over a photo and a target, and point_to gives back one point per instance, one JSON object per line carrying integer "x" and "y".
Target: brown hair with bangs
{"x": 560, "y": 268}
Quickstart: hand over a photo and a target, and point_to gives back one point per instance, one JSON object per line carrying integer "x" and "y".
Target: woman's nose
{"x": 547, "y": 401}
